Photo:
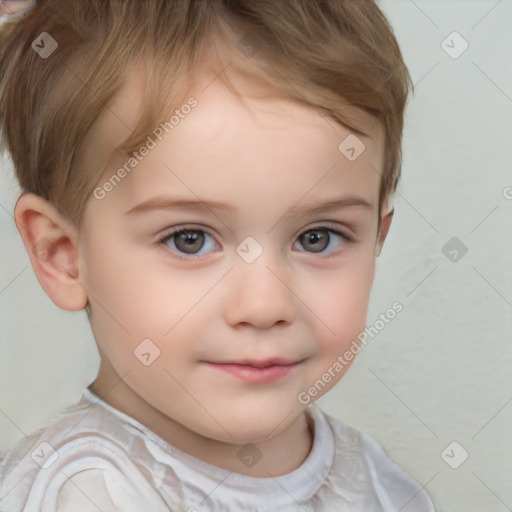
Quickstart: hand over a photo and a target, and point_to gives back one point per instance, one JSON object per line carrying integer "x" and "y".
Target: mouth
{"x": 256, "y": 372}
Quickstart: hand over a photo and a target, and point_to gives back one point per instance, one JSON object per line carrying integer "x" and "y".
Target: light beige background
{"x": 441, "y": 370}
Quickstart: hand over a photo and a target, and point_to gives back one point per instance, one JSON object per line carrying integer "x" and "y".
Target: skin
{"x": 15, "y": 7}
{"x": 261, "y": 158}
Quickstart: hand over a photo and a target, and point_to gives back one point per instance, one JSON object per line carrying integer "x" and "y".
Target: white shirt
{"x": 104, "y": 460}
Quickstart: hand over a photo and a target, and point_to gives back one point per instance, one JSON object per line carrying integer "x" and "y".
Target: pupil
{"x": 317, "y": 236}
{"x": 192, "y": 240}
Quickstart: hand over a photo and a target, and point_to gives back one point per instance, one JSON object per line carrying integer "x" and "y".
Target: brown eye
{"x": 189, "y": 241}
{"x": 316, "y": 241}
{"x": 322, "y": 240}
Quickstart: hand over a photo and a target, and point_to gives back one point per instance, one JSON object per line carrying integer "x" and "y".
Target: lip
{"x": 256, "y": 372}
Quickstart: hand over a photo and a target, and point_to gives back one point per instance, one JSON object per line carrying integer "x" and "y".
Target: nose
{"x": 261, "y": 295}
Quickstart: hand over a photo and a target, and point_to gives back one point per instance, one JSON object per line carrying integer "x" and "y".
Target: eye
{"x": 318, "y": 239}
{"x": 188, "y": 241}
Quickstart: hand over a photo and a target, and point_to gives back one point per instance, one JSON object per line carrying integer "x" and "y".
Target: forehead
{"x": 229, "y": 145}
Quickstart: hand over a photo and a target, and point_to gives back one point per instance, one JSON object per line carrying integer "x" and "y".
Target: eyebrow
{"x": 179, "y": 203}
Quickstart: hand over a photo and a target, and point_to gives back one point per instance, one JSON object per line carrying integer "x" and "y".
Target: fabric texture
{"x": 94, "y": 457}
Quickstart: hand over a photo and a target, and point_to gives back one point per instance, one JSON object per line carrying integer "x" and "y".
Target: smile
{"x": 256, "y": 372}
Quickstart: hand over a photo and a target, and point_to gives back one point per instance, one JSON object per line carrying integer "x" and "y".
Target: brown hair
{"x": 337, "y": 56}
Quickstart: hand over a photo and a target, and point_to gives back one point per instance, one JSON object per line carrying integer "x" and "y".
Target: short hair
{"x": 337, "y": 56}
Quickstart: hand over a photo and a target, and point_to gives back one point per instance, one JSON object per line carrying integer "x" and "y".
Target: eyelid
{"x": 344, "y": 230}
{"x": 167, "y": 235}
{"x": 330, "y": 225}
{"x": 331, "y": 228}
{"x": 169, "y": 232}
{"x": 319, "y": 225}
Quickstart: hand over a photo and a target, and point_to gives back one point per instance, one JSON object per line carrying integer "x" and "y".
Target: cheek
{"x": 123, "y": 306}
{"x": 133, "y": 298}
{"x": 125, "y": 288}
{"x": 341, "y": 305}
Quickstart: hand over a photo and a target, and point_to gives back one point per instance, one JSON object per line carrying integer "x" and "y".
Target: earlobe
{"x": 52, "y": 245}
{"x": 385, "y": 224}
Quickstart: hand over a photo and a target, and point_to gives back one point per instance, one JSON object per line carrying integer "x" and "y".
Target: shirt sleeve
{"x": 93, "y": 476}
{"x": 94, "y": 490}
{"x": 395, "y": 489}
{"x": 86, "y": 491}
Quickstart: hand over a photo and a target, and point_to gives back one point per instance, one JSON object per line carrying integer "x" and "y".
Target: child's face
{"x": 303, "y": 300}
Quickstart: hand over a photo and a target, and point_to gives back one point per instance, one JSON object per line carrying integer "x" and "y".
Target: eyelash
{"x": 163, "y": 239}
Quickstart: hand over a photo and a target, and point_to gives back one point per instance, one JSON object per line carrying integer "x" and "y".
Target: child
{"x": 211, "y": 180}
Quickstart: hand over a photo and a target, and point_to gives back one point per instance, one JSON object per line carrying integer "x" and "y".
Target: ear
{"x": 385, "y": 224}
{"x": 51, "y": 241}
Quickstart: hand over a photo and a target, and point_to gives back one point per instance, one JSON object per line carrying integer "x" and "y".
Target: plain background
{"x": 440, "y": 371}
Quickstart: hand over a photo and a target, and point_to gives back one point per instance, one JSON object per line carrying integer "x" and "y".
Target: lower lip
{"x": 255, "y": 375}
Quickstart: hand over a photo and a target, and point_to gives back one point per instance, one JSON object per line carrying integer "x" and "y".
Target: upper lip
{"x": 264, "y": 363}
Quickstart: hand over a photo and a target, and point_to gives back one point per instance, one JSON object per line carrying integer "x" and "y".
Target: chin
{"x": 252, "y": 423}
